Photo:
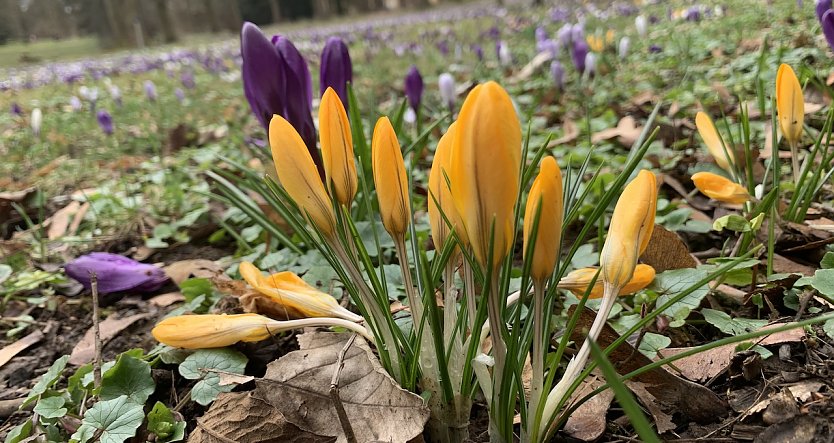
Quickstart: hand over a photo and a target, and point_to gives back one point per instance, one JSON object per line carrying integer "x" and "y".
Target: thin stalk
{"x": 537, "y": 385}
{"x": 469, "y": 293}
{"x": 795, "y": 162}
{"x": 499, "y": 348}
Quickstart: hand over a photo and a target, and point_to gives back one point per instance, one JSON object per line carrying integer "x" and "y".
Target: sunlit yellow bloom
{"x": 609, "y": 37}
{"x": 298, "y": 175}
{"x": 288, "y": 289}
{"x": 790, "y": 104}
{"x": 630, "y": 229}
{"x": 390, "y": 179}
{"x": 708, "y": 132}
{"x": 486, "y": 157}
{"x": 595, "y": 43}
{"x": 213, "y": 331}
{"x": 577, "y": 281}
{"x": 546, "y": 193}
{"x": 720, "y": 188}
{"x": 440, "y": 196}
{"x": 337, "y": 148}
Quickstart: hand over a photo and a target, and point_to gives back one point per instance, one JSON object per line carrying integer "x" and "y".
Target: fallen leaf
{"x": 298, "y": 385}
{"x": 571, "y": 132}
{"x": 800, "y": 429}
{"x": 643, "y": 98}
{"x": 531, "y": 68}
{"x": 185, "y": 269}
{"x": 666, "y": 250}
{"x": 783, "y": 265}
{"x": 79, "y": 217}
{"x": 229, "y": 378}
{"x": 16, "y": 197}
{"x": 60, "y": 221}
{"x": 167, "y": 299}
{"x": 588, "y": 422}
{"x": 626, "y": 132}
{"x": 84, "y": 351}
{"x": 8, "y": 352}
{"x": 662, "y": 421}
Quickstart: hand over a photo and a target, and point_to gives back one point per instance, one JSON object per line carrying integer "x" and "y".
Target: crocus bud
{"x": 16, "y": 110}
{"x": 622, "y": 48}
{"x": 590, "y": 64}
{"x": 150, "y": 90}
{"x": 545, "y": 203}
{"x": 75, "y": 103}
{"x": 821, "y": 8}
{"x": 828, "y": 27}
{"x": 558, "y": 74}
{"x": 720, "y": 188}
{"x": 213, "y": 331}
{"x": 116, "y": 95}
{"x": 299, "y": 93}
{"x": 505, "y": 57}
{"x": 414, "y": 87}
{"x": 446, "y": 83}
{"x": 36, "y": 121}
{"x": 105, "y": 122}
{"x": 642, "y": 26}
{"x": 390, "y": 179}
{"x": 336, "y": 67}
{"x": 290, "y": 290}
{"x": 577, "y": 281}
{"x": 337, "y": 148}
{"x": 577, "y": 32}
{"x": 299, "y": 177}
{"x": 715, "y": 145}
{"x": 263, "y": 73}
{"x": 578, "y": 54}
{"x": 187, "y": 80}
{"x": 479, "y": 52}
{"x": 115, "y": 273}
{"x": 564, "y": 35}
{"x": 790, "y": 104}
{"x": 486, "y": 158}
{"x": 440, "y": 196}
{"x": 541, "y": 34}
{"x": 630, "y": 229}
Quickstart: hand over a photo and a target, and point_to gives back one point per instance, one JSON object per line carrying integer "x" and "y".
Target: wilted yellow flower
{"x": 720, "y": 188}
{"x": 546, "y": 193}
{"x": 577, "y": 281}
{"x": 440, "y": 196}
{"x": 337, "y": 148}
{"x": 213, "y": 331}
{"x": 390, "y": 179}
{"x": 486, "y": 157}
{"x": 630, "y": 229}
{"x": 708, "y": 132}
{"x": 790, "y": 104}
{"x": 286, "y": 288}
{"x": 298, "y": 175}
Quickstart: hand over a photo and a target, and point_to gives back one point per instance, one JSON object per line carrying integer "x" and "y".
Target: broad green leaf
{"x": 48, "y": 379}
{"x": 199, "y": 366}
{"x": 130, "y": 376}
{"x": 729, "y": 325}
{"x": 823, "y": 281}
{"x": 194, "y": 287}
{"x": 19, "y": 432}
{"x": 163, "y": 424}
{"x": 827, "y": 261}
{"x": 828, "y": 327}
{"x": 733, "y": 222}
{"x": 672, "y": 282}
{"x": 117, "y": 419}
{"x": 652, "y": 343}
{"x": 51, "y": 407}
{"x": 75, "y": 383}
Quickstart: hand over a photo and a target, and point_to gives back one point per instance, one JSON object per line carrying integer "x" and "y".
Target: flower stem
{"x": 537, "y": 385}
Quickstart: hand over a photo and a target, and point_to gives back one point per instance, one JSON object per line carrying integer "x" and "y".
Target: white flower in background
{"x": 504, "y": 54}
{"x": 622, "y": 48}
{"x": 75, "y": 103}
{"x": 642, "y": 25}
{"x": 446, "y": 83}
{"x": 36, "y": 121}
{"x": 590, "y": 65}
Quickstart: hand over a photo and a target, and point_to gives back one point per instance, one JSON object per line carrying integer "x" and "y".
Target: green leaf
{"x": 198, "y": 366}
{"x": 48, "y": 379}
{"x": 827, "y": 261}
{"x": 194, "y": 287}
{"x": 163, "y": 424}
{"x": 76, "y": 388}
{"x": 19, "y": 432}
{"x": 5, "y": 272}
{"x": 117, "y": 419}
{"x": 823, "y": 281}
{"x": 672, "y": 282}
{"x": 729, "y": 325}
{"x": 130, "y": 376}
{"x": 51, "y": 407}
{"x": 733, "y": 222}
{"x": 828, "y": 327}
{"x": 652, "y": 343}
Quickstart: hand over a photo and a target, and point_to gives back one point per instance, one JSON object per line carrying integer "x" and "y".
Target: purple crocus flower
{"x": 564, "y": 35}
{"x": 558, "y": 74}
{"x": 16, "y": 109}
{"x": 187, "y": 80}
{"x": 150, "y": 90}
{"x": 414, "y": 87}
{"x": 75, "y": 103}
{"x": 578, "y": 54}
{"x": 577, "y": 32}
{"x": 180, "y": 95}
{"x": 479, "y": 52}
{"x": 105, "y": 122}
{"x": 115, "y": 273}
{"x": 299, "y": 93}
{"x": 336, "y": 68}
{"x": 654, "y": 49}
{"x": 822, "y": 7}
{"x": 263, "y": 73}
{"x": 828, "y": 27}
{"x": 541, "y": 34}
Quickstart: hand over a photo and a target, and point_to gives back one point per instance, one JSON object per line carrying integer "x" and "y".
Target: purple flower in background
{"x": 654, "y": 49}
{"x": 578, "y": 54}
{"x": 299, "y": 93}
{"x": 446, "y": 84}
{"x": 577, "y": 32}
{"x": 541, "y": 34}
{"x": 828, "y": 27}
{"x": 336, "y": 68}
{"x": 821, "y": 8}
{"x": 414, "y": 87}
{"x": 115, "y": 273}
{"x": 180, "y": 95}
{"x": 564, "y": 35}
{"x": 549, "y": 46}
{"x": 479, "y": 52}
{"x": 443, "y": 47}
{"x": 187, "y": 80}
{"x": 150, "y": 90}
{"x": 558, "y": 74}
{"x": 693, "y": 14}
{"x": 263, "y": 73}
{"x": 16, "y": 109}
{"x": 105, "y": 122}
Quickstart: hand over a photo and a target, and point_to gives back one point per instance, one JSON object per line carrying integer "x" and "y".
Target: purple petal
{"x": 115, "y": 273}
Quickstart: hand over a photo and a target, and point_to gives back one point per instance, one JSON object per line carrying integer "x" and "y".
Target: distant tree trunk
{"x": 117, "y": 33}
{"x": 323, "y": 8}
{"x": 166, "y": 22}
{"x": 275, "y": 10}
{"x": 211, "y": 11}
{"x": 234, "y": 20}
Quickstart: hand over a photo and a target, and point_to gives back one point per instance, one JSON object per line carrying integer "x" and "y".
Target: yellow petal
{"x": 390, "y": 179}
{"x": 212, "y": 331}
{"x": 546, "y": 193}
{"x": 708, "y": 132}
{"x": 337, "y": 148}
{"x": 577, "y": 281}
{"x": 790, "y": 104}
{"x": 298, "y": 175}
{"x": 486, "y": 157}
{"x": 440, "y": 196}
{"x": 630, "y": 229}
{"x": 720, "y": 188}
{"x": 288, "y": 289}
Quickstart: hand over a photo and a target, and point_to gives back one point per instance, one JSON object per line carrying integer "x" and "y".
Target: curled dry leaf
{"x": 626, "y": 131}
{"x": 588, "y": 422}
{"x": 530, "y": 68}
{"x": 298, "y": 386}
{"x": 666, "y": 250}
{"x": 185, "y": 269}
{"x": 8, "y": 352}
{"x": 571, "y": 132}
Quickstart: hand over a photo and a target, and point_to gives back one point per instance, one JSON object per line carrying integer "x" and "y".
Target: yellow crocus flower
{"x": 213, "y": 331}
{"x": 390, "y": 179}
{"x": 715, "y": 146}
{"x": 720, "y": 188}
{"x": 288, "y": 289}
{"x": 486, "y": 158}
{"x": 577, "y": 281}
{"x": 440, "y": 194}
{"x": 337, "y": 148}
{"x": 299, "y": 176}
{"x": 790, "y": 104}
{"x": 545, "y": 198}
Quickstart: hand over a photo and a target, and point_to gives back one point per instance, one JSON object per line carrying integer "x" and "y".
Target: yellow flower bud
{"x": 440, "y": 194}
{"x": 790, "y": 104}
{"x": 486, "y": 157}
{"x": 298, "y": 175}
{"x": 577, "y": 281}
{"x": 720, "y": 188}
{"x": 337, "y": 148}
{"x": 545, "y": 198}
{"x": 213, "y": 331}
{"x": 708, "y": 132}
{"x": 390, "y": 179}
{"x": 630, "y": 229}
{"x": 288, "y": 289}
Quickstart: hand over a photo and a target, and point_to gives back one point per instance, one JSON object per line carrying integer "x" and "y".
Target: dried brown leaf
{"x": 8, "y": 352}
{"x": 84, "y": 351}
{"x": 588, "y": 422}
{"x": 666, "y": 250}
{"x": 199, "y": 268}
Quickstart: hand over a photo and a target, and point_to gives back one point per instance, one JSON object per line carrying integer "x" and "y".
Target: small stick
{"x": 334, "y": 392}
{"x": 96, "y": 331}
